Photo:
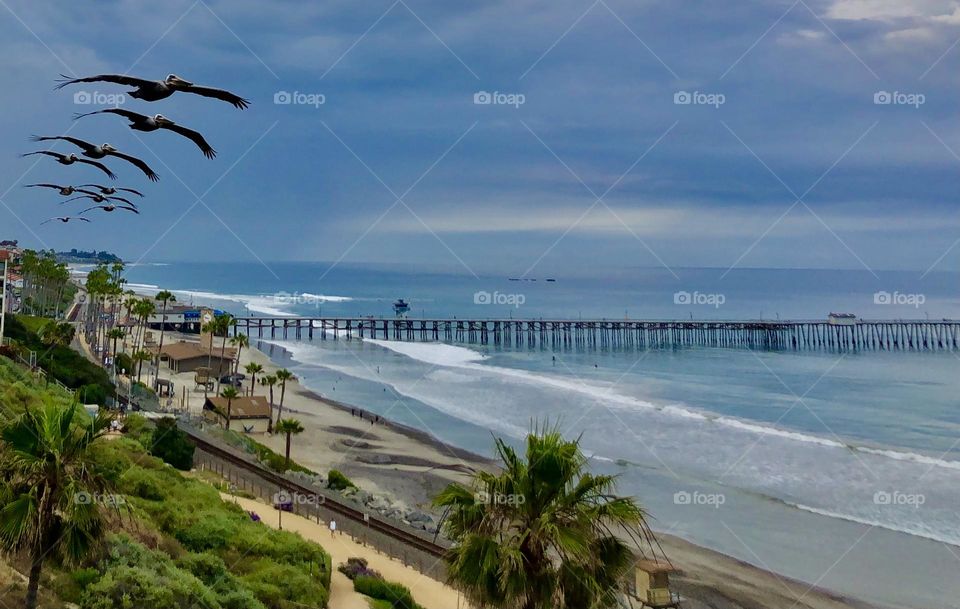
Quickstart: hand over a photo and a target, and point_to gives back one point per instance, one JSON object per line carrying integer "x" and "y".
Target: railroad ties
{"x": 878, "y": 335}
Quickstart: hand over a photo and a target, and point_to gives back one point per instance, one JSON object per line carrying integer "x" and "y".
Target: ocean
{"x": 839, "y": 469}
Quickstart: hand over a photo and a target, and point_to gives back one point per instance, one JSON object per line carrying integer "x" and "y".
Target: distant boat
{"x": 400, "y": 307}
{"x": 550, "y": 279}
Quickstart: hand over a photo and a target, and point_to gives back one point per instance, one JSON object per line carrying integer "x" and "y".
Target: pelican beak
{"x": 176, "y": 80}
{"x": 162, "y": 120}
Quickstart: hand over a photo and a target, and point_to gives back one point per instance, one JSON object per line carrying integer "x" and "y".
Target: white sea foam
{"x": 276, "y": 305}
{"x": 916, "y": 531}
{"x": 440, "y": 354}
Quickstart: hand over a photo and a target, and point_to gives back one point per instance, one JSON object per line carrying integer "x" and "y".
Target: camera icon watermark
{"x": 898, "y": 298}
{"x": 699, "y": 98}
{"x": 496, "y": 98}
{"x": 714, "y": 500}
{"x": 899, "y": 98}
{"x": 914, "y": 500}
{"x": 699, "y": 299}
{"x": 297, "y": 98}
{"x": 88, "y": 98}
{"x": 284, "y": 497}
{"x": 105, "y": 499}
{"x": 498, "y": 298}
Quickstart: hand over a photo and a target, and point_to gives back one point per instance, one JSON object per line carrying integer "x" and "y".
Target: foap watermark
{"x": 285, "y": 497}
{"x": 88, "y": 98}
{"x": 899, "y": 298}
{"x": 488, "y": 498}
{"x": 498, "y": 98}
{"x": 498, "y": 298}
{"x": 297, "y": 298}
{"x": 699, "y": 298}
{"x": 914, "y": 500}
{"x": 107, "y": 499}
{"x": 899, "y": 98}
{"x": 699, "y": 98}
{"x": 298, "y": 98}
{"x": 714, "y": 500}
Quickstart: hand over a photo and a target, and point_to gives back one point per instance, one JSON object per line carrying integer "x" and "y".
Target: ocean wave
{"x": 915, "y": 531}
{"x": 275, "y": 305}
{"x": 441, "y": 354}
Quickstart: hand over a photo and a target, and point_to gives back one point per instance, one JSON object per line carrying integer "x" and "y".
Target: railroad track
{"x": 373, "y": 521}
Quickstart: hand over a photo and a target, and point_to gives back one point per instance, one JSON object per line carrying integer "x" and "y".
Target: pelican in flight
{"x": 110, "y": 190}
{"x": 142, "y": 122}
{"x": 70, "y": 159}
{"x": 155, "y": 90}
{"x": 98, "y": 152}
{"x": 64, "y": 190}
{"x": 110, "y": 207}
{"x": 97, "y": 198}
{"x": 65, "y": 219}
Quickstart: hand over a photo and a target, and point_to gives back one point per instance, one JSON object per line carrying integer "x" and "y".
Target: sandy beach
{"x": 410, "y": 466}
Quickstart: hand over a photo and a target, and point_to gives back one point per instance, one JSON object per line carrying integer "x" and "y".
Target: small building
{"x": 187, "y": 357}
{"x": 651, "y": 586}
{"x": 247, "y": 414}
{"x": 842, "y": 319}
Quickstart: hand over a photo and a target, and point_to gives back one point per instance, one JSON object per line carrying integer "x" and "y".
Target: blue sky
{"x": 585, "y": 159}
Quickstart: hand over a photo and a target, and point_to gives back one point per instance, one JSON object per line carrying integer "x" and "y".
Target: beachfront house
{"x": 187, "y": 357}
{"x": 247, "y": 414}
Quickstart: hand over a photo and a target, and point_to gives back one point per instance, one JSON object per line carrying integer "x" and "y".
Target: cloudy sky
{"x": 505, "y": 135}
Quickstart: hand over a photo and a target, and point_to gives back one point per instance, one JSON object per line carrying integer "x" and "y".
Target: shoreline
{"x": 377, "y": 457}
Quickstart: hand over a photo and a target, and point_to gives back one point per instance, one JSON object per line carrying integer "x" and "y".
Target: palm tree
{"x": 165, "y": 297}
{"x": 57, "y": 334}
{"x": 239, "y": 341}
{"x": 290, "y": 427}
{"x": 231, "y": 394}
{"x": 52, "y": 488}
{"x": 139, "y": 357}
{"x": 253, "y": 369}
{"x": 223, "y": 323}
{"x": 541, "y": 533}
{"x": 283, "y": 376}
{"x": 116, "y": 334}
{"x": 270, "y": 380}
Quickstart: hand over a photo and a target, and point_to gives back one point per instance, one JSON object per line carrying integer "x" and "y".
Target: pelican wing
{"x": 119, "y": 79}
{"x": 236, "y": 100}
{"x": 143, "y": 166}
{"x": 87, "y": 146}
{"x": 43, "y": 186}
{"x": 92, "y": 208}
{"x": 75, "y": 198}
{"x": 133, "y": 209}
{"x": 101, "y": 167}
{"x": 55, "y": 155}
{"x": 133, "y": 116}
{"x": 113, "y": 198}
{"x": 195, "y": 137}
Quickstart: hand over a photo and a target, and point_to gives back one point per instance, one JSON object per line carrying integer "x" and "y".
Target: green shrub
{"x": 172, "y": 445}
{"x": 211, "y": 531}
{"x": 122, "y": 362}
{"x": 142, "y": 483}
{"x": 275, "y": 584}
{"x": 337, "y": 481}
{"x": 397, "y": 595}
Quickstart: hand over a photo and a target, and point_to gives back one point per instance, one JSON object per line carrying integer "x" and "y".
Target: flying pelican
{"x": 64, "y": 190}
{"x": 98, "y": 152}
{"x": 110, "y": 190}
{"x": 155, "y": 90}
{"x": 70, "y": 159}
{"x": 142, "y": 122}
{"x": 110, "y": 207}
{"x": 65, "y": 219}
{"x": 97, "y": 198}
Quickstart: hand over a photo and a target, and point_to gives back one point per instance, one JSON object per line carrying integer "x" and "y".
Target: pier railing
{"x": 879, "y": 335}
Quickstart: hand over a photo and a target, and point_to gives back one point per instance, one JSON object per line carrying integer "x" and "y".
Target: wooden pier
{"x": 864, "y": 335}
